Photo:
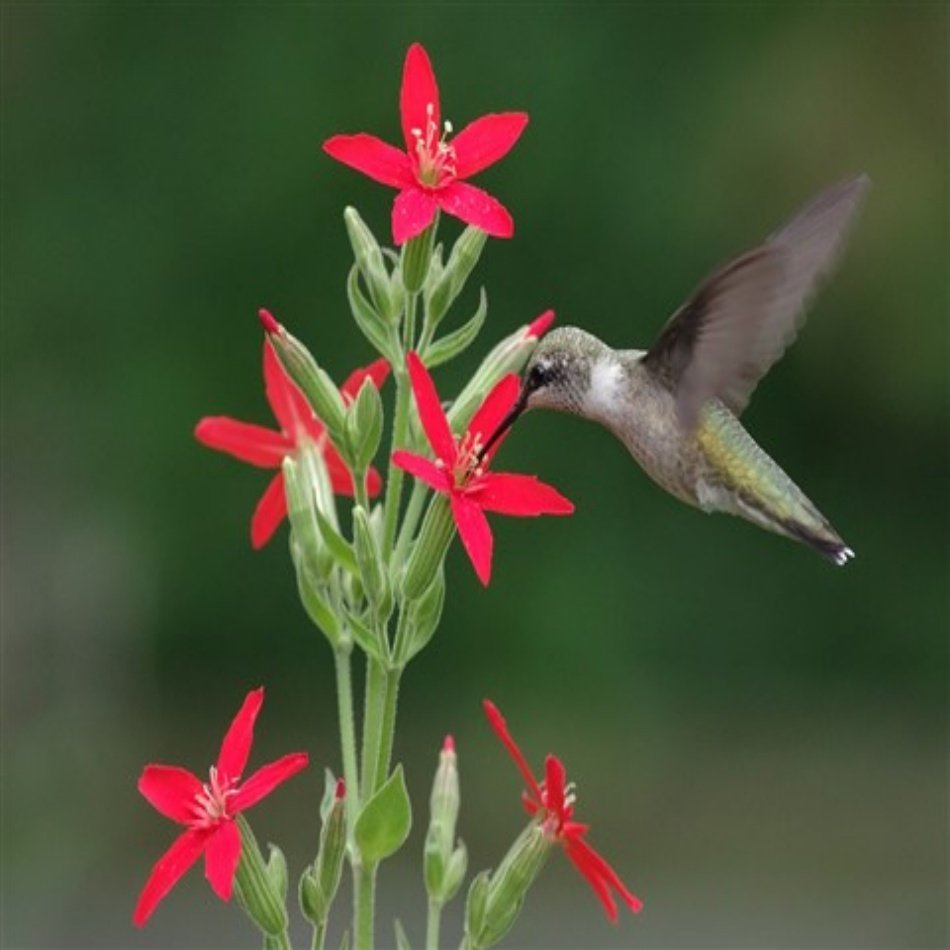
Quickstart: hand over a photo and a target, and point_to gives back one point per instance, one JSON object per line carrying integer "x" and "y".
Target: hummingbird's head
{"x": 557, "y": 376}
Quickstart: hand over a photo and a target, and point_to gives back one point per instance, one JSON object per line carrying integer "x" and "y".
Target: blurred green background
{"x": 758, "y": 738}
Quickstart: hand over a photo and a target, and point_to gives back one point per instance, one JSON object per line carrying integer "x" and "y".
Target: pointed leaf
{"x": 402, "y": 941}
{"x": 450, "y": 345}
{"x": 385, "y": 820}
{"x": 368, "y": 320}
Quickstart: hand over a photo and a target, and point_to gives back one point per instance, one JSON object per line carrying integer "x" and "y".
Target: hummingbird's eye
{"x": 537, "y": 377}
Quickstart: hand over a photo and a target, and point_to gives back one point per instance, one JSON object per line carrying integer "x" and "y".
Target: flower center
{"x": 435, "y": 158}
{"x": 211, "y": 803}
{"x": 467, "y": 464}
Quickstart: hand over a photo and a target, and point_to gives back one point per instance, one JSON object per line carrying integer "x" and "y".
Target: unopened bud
{"x": 320, "y": 881}
{"x": 509, "y": 356}
{"x": 364, "y": 426}
{"x": 465, "y": 254}
{"x": 313, "y": 381}
{"x": 444, "y": 865}
{"x": 373, "y": 571}
{"x": 369, "y": 259}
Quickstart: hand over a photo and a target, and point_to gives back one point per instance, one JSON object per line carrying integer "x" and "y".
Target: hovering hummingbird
{"x": 676, "y": 406}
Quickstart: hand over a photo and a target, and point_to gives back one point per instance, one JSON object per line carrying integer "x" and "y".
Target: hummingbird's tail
{"x": 825, "y": 540}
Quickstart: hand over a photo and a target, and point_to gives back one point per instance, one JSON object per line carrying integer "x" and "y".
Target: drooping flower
{"x": 551, "y": 802}
{"x": 298, "y": 424}
{"x": 461, "y": 472}
{"x": 207, "y": 810}
{"x": 430, "y": 173}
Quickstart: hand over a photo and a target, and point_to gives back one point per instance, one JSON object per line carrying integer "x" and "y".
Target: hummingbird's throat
{"x": 435, "y": 158}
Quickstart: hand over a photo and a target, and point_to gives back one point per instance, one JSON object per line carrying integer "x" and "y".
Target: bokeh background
{"x": 758, "y": 739}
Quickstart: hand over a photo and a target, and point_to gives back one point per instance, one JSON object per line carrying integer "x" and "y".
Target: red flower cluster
{"x": 430, "y": 173}
{"x": 207, "y": 810}
{"x": 459, "y": 472}
{"x": 268, "y": 448}
{"x": 553, "y": 802}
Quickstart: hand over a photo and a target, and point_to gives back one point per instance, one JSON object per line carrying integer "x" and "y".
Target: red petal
{"x": 422, "y": 468}
{"x": 431, "y": 413}
{"x": 374, "y": 483}
{"x": 413, "y": 211}
{"x": 288, "y": 403}
{"x": 475, "y": 534}
{"x": 539, "y": 326}
{"x": 266, "y": 779}
{"x": 482, "y": 142}
{"x": 600, "y": 875}
{"x": 269, "y": 513}
{"x": 341, "y": 478}
{"x": 477, "y": 207}
{"x": 221, "y": 858}
{"x": 170, "y": 790}
{"x": 167, "y": 871}
{"x": 497, "y": 721}
{"x": 377, "y": 372}
{"x": 492, "y": 410}
{"x": 245, "y": 441}
{"x": 521, "y": 495}
{"x": 554, "y": 776}
{"x": 373, "y": 157}
{"x": 236, "y": 745}
{"x": 418, "y": 92}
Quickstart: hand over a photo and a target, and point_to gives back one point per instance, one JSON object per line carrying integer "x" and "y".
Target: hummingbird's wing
{"x": 725, "y": 338}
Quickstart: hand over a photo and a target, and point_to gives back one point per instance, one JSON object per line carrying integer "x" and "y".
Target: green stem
{"x": 432, "y": 924}
{"x": 365, "y": 902}
{"x": 372, "y": 726}
{"x": 388, "y": 725}
{"x": 361, "y": 496}
{"x": 344, "y": 693}
{"x": 410, "y": 520}
{"x": 394, "y": 475}
{"x": 319, "y": 936}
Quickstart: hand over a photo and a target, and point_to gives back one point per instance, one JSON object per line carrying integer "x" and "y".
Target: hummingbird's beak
{"x": 508, "y": 421}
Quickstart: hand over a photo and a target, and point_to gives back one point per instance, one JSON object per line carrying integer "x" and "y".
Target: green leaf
{"x": 450, "y": 345}
{"x": 366, "y": 640}
{"x": 277, "y": 870}
{"x": 384, "y": 822}
{"x": 338, "y": 545}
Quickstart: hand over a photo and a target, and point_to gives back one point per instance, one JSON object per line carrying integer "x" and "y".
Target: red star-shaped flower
{"x": 459, "y": 472}
{"x": 430, "y": 173}
{"x": 552, "y": 802}
{"x": 267, "y": 448}
{"x": 207, "y": 810}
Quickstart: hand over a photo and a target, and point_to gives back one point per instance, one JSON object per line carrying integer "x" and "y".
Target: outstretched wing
{"x": 725, "y": 338}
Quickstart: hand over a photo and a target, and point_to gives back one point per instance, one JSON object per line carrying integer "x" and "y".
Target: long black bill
{"x": 508, "y": 421}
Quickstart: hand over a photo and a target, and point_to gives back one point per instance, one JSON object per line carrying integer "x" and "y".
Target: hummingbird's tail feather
{"x": 825, "y": 541}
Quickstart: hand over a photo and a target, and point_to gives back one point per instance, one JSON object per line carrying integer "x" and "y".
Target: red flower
{"x": 552, "y": 801}
{"x": 430, "y": 173}
{"x": 458, "y": 472}
{"x": 207, "y": 810}
{"x": 298, "y": 424}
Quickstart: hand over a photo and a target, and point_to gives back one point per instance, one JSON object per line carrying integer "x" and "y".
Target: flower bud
{"x": 509, "y": 885}
{"x": 416, "y": 255}
{"x": 429, "y": 550}
{"x": 509, "y": 356}
{"x": 372, "y": 569}
{"x": 465, "y": 254}
{"x": 277, "y": 871}
{"x": 364, "y": 426}
{"x": 444, "y": 866}
{"x": 320, "y": 881}
{"x": 369, "y": 259}
{"x": 256, "y": 892}
{"x": 313, "y": 382}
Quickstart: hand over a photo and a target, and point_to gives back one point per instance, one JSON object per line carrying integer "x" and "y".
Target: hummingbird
{"x": 676, "y": 406}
